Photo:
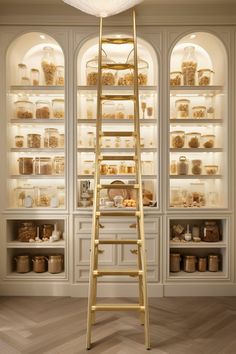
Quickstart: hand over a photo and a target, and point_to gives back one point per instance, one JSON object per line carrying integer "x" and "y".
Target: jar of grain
{"x": 176, "y": 78}
{"x": 213, "y": 262}
{"x": 205, "y": 77}
{"x": 34, "y": 141}
{"x": 26, "y": 231}
{"x": 39, "y": 264}
{"x": 51, "y": 138}
{"x": 48, "y": 65}
{"x": 175, "y": 262}
{"x": 58, "y": 108}
{"x": 43, "y": 165}
{"x": 44, "y": 195}
{"x": 42, "y": 109}
{"x": 26, "y": 165}
{"x": 202, "y": 264}
{"x": 177, "y": 139}
{"x": 182, "y": 108}
{"x": 182, "y": 166}
{"x": 55, "y": 263}
{"x": 190, "y": 264}
{"x": 19, "y": 141}
{"x": 24, "y": 109}
{"x": 193, "y": 140}
{"x": 189, "y": 66}
{"x": 34, "y": 77}
{"x": 22, "y": 263}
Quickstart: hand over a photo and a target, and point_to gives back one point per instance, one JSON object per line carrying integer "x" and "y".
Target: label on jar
{"x": 28, "y": 202}
{"x": 54, "y": 202}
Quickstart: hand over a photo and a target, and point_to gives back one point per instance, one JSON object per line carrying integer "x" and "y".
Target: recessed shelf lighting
{"x": 42, "y": 36}
{"x": 192, "y": 36}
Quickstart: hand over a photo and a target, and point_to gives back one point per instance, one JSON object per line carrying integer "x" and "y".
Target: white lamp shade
{"x": 102, "y": 8}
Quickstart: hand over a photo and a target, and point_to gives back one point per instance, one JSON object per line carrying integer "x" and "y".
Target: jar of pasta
{"x": 204, "y": 77}
{"x": 59, "y": 165}
{"x": 189, "y": 66}
{"x": 193, "y": 140}
{"x": 199, "y": 112}
{"x": 34, "y": 141}
{"x": 48, "y": 64}
{"x": 177, "y": 139}
{"x": 43, "y": 165}
{"x": 58, "y": 108}
{"x": 182, "y": 108}
{"x": 42, "y": 109}
{"x": 51, "y": 138}
{"x": 24, "y": 109}
{"x": 34, "y": 77}
{"x": 208, "y": 141}
{"x": 176, "y": 78}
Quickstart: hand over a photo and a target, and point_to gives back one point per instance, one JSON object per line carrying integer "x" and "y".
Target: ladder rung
{"x": 118, "y": 213}
{"x": 117, "y": 158}
{"x": 118, "y": 186}
{"x": 118, "y": 134}
{"x": 118, "y": 97}
{"x": 118, "y": 66}
{"x": 118, "y": 307}
{"x": 128, "y": 272}
{"x": 117, "y": 242}
{"x": 117, "y": 40}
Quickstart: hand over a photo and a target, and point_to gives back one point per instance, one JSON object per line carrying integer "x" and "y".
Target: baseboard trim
{"x": 171, "y": 290}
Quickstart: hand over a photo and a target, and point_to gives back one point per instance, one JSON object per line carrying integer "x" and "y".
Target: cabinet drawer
{"x": 82, "y": 251}
{"x": 121, "y": 225}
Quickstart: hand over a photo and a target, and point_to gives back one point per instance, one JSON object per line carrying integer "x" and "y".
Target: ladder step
{"x": 118, "y": 97}
{"x": 118, "y": 307}
{"x": 128, "y": 272}
{"x": 118, "y": 186}
{"x": 118, "y": 66}
{"x": 117, "y": 242}
{"x": 117, "y": 40}
{"x": 117, "y": 158}
{"x": 118, "y": 213}
{"x": 118, "y": 134}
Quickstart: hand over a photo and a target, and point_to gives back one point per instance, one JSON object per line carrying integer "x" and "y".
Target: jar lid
{"x": 208, "y": 136}
{"x": 56, "y": 256}
{"x": 35, "y": 70}
{"x": 42, "y": 102}
{"x": 205, "y": 69}
{"x": 48, "y": 48}
{"x": 195, "y": 107}
{"x": 182, "y": 158}
{"x": 26, "y": 158}
{"x": 24, "y": 256}
{"x": 38, "y": 257}
{"x": 48, "y": 225}
{"x": 190, "y": 257}
{"x": 193, "y": 133}
{"x": 176, "y": 72}
{"x": 50, "y": 129}
{"x": 211, "y": 166}
{"x": 19, "y": 136}
{"x": 175, "y": 254}
{"x": 43, "y": 159}
{"x": 215, "y": 256}
{"x": 33, "y": 134}
{"x": 21, "y": 65}
{"x": 59, "y": 158}
{"x": 182, "y": 100}
{"x": 197, "y": 161}
{"x": 177, "y": 132}
{"x": 93, "y": 62}
{"x": 28, "y": 223}
{"x": 58, "y": 100}
{"x": 23, "y": 102}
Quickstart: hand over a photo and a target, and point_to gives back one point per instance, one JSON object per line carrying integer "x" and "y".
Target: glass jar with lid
{"x": 48, "y": 64}
{"x": 60, "y": 75}
{"x": 25, "y": 196}
{"x": 61, "y": 196}
{"x": 59, "y": 165}
{"x": 34, "y": 141}
{"x": 108, "y": 110}
{"x": 107, "y": 143}
{"x": 51, "y": 138}
{"x": 182, "y": 166}
{"x": 198, "y": 194}
{"x": 26, "y": 165}
{"x": 189, "y": 66}
{"x": 90, "y": 107}
{"x": 43, "y": 199}
{"x": 90, "y": 139}
{"x": 193, "y": 140}
{"x": 196, "y": 167}
{"x": 43, "y": 108}
{"x": 205, "y": 77}
{"x": 108, "y": 75}
{"x": 199, "y": 112}
{"x": 208, "y": 141}
{"x": 19, "y": 141}
{"x": 176, "y": 78}
{"x": 22, "y": 263}
{"x": 34, "y": 77}
{"x": 182, "y": 108}
{"x": 147, "y": 167}
{"x": 143, "y": 68}
{"x": 175, "y": 197}
{"x": 26, "y": 231}
{"x": 43, "y": 165}
{"x": 58, "y": 108}
{"x": 46, "y": 230}
{"x": 22, "y": 74}
{"x": 120, "y": 111}
{"x": 24, "y": 109}
{"x": 88, "y": 167}
{"x": 177, "y": 139}
{"x": 173, "y": 167}
{"x": 61, "y": 140}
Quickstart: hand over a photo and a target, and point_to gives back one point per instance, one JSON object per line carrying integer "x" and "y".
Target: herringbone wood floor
{"x": 52, "y": 325}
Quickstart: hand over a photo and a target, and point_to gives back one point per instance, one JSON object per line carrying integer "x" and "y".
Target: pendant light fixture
{"x": 102, "y": 8}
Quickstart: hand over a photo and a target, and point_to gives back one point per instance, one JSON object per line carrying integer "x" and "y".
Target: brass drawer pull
{"x": 134, "y": 251}
{"x": 101, "y": 226}
{"x": 132, "y": 226}
{"x": 101, "y": 251}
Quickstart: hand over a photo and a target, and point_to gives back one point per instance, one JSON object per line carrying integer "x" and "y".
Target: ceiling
{"x": 146, "y": 2}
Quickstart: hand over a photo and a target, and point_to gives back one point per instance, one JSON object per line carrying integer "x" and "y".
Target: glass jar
{"x": 42, "y": 109}
{"x": 198, "y": 194}
{"x": 22, "y": 74}
{"x": 122, "y": 168}
{"x": 211, "y": 169}
{"x": 22, "y": 263}
{"x": 51, "y": 138}
{"x": 26, "y": 231}
{"x": 195, "y": 231}
{"x": 175, "y": 197}
{"x": 149, "y": 112}
{"x": 25, "y": 196}
{"x": 175, "y": 259}
{"x": 112, "y": 170}
{"x": 211, "y": 232}
{"x": 61, "y": 196}
{"x": 120, "y": 111}
{"x": 88, "y": 167}
{"x": 182, "y": 108}
{"x": 108, "y": 75}
{"x": 58, "y": 108}
{"x": 147, "y": 167}
{"x": 182, "y": 166}
{"x": 104, "y": 169}
{"x": 208, "y": 141}
{"x": 117, "y": 142}
{"x": 90, "y": 137}
{"x": 34, "y": 141}
{"x": 189, "y": 66}
{"x": 190, "y": 264}
{"x": 173, "y": 167}
{"x": 26, "y": 165}
{"x": 46, "y": 230}
{"x": 60, "y": 75}
{"x": 199, "y": 112}
{"x": 213, "y": 262}
{"x": 55, "y": 263}
{"x": 24, "y": 109}
{"x": 196, "y": 167}
{"x": 43, "y": 165}
{"x": 108, "y": 110}
{"x": 59, "y": 165}
{"x": 48, "y": 64}
{"x": 204, "y": 77}
{"x": 90, "y": 107}
{"x": 19, "y": 141}
{"x": 44, "y": 195}
{"x": 193, "y": 140}
{"x": 34, "y": 77}
{"x": 107, "y": 143}
{"x": 176, "y": 78}
{"x": 61, "y": 143}
{"x": 210, "y": 113}
{"x": 143, "y": 68}
{"x": 39, "y": 264}
{"x": 202, "y": 264}
{"x": 177, "y": 139}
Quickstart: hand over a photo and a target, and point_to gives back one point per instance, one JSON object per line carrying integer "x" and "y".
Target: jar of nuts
{"x": 189, "y": 66}
{"x": 177, "y": 139}
{"x": 24, "y": 109}
{"x": 176, "y": 78}
{"x": 51, "y": 138}
{"x": 34, "y": 141}
{"x": 58, "y": 108}
{"x": 46, "y": 230}
{"x": 193, "y": 140}
{"x": 204, "y": 77}
{"x": 48, "y": 64}
{"x": 42, "y": 109}
{"x": 182, "y": 108}
{"x": 199, "y": 112}
{"x": 43, "y": 165}
{"x": 208, "y": 141}
{"x": 26, "y": 231}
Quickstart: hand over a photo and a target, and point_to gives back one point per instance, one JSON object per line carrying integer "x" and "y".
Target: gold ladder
{"x": 140, "y": 272}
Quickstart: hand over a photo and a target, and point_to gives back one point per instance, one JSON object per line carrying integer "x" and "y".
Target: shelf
{"x": 35, "y": 276}
{"x": 196, "y": 177}
{"x": 17, "y": 244}
{"x": 37, "y": 89}
{"x": 116, "y": 176}
{"x": 181, "y": 150}
{"x": 36, "y": 177}
{"x": 81, "y": 149}
{"x": 195, "y": 121}
{"x": 52, "y": 150}
{"x": 85, "y": 88}
{"x": 117, "y": 121}
{"x": 37, "y": 121}
{"x": 198, "y": 245}
{"x": 197, "y": 275}
{"x": 185, "y": 90}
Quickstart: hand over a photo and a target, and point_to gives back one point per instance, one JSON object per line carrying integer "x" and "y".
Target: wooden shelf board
{"x": 213, "y": 89}
{"x": 196, "y": 177}
{"x": 53, "y": 151}
{"x": 196, "y": 150}
{"x": 36, "y": 177}
{"x": 80, "y": 176}
{"x": 17, "y": 244}
{"x": 37, "y": 121}
{"x": 117, "y": 121}
{"x": 195, "y": 121}
{"x": 198, "y": 245}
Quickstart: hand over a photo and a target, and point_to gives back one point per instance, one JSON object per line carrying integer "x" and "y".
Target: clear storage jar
{"x": 61, "y": 195}
{"x": 26, "y": 165}
{"x": 48, "y": 64}
{"x": 208, "y": 141}
{"x": 60, "y": 75}
{"x": 211, "y": 169}
{"x": 175, "y": 259}
{"x": 193, "y": 140}
{"x": 88, "y": 168}
{"x": 120, "y": 111}
{"x": 177, "y": 139}
{"x": 39, "y": 264}
{"x": 22, "y": 74}
{"x": 43, "y": 109}
{"x": 196, "y": 167}
{"x": 46, "y": 230}
{"x": 61, "y": 140}
{"x": 189, "y": 66}
{"x": 51, "y": 138}
{"x": 55, "y": 263}
{"x": 190, "y": 263}
{"x": 43, "y": 165}
{"x": 176, "y": 78}
{"x": 34, "y": 141}
{"x": 90, "y": 139}
{"x": 213, "y": 262}
{"x": 90, "y": 108}
{"x": 182, "y": 166}
{"x": 198, "y": 112}
{"x": 204, "y": 77}
{"x": 24, "y": 109}
{"x": 26, "y": 231}
{"x": 34, "y": 77}
{"x": 143, "y": 68}
{"x": 44, "y": 195}
{"x": 182, "y": 108}
{"x": 108, "y": 75}
{"x": 173, "y": 167}
{"x": 25, "y": 196}
{"x": 19, "y": 141}
{"x": 108, "y": 110}
{"x": 59, "y": 165}
{"x": 22, "y": 263}
{"x": 58, "y": 108}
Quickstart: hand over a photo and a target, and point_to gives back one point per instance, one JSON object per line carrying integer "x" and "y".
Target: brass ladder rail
{"x": 140, "y": 272}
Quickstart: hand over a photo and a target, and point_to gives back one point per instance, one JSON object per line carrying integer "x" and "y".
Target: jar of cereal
{"x": 24, "y": 109}
{"x": 60, "y": 75}
{"x": 196, "y": 167}
{"x": 19, "y": 141}
{"x": 43, "y": 165}
{"x": 42, "y": 109}
{"x": 34, "y": 141}
{"x": 176, "y": 78}
{"x": 48, "y": 64}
